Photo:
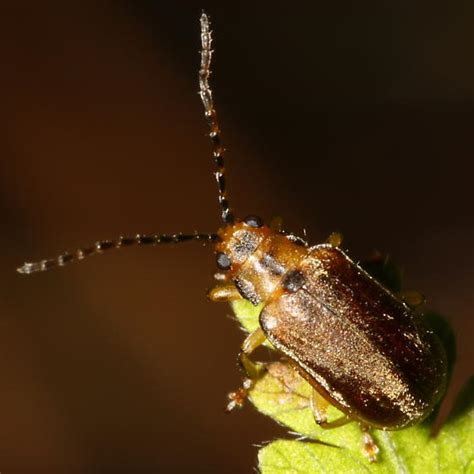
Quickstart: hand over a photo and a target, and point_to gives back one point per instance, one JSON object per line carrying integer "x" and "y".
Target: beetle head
{"x": 238, "y": 241}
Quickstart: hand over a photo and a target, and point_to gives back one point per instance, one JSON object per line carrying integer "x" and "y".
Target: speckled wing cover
{"x": 355, "y": 342}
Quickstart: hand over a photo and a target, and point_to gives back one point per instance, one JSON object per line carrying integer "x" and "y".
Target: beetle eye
{"x": 223, "y": 261}
{"x": 253, "y": 221}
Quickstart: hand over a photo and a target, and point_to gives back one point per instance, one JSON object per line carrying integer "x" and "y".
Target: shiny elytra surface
{"x": 362, "y": 348}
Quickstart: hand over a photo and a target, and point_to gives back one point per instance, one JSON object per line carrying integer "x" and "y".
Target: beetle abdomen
{"x": 357, "y": 343}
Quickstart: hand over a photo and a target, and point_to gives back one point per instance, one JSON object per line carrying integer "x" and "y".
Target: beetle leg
{"x": 319, "y": 407}
{"x": 252, "y": 370}
{"x": 226, "y": 292}
{"x": 341, "y": 421}
{"x": 276, "y": 223}
{"x": 412, "y": 298}
{"x": 252, "y": 341}
{"x": 370, "y": 449}
{"x": 335, "y": 239}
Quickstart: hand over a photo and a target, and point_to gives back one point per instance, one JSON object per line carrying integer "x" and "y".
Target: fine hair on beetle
{"x": 360, "y": 346}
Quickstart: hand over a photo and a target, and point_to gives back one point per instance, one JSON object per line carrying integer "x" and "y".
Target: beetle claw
{"x": 321, "y": 421}
{"x": 237, "y": 398}
{"x": 370, "y": 449}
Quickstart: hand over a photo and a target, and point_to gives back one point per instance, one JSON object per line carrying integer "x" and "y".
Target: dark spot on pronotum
{"x": 293, "y": 281}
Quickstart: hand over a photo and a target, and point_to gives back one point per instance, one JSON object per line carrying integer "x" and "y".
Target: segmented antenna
{"x": 103, "y": 245}
{"x": 211, "y": 116}
{"x": 218, "y": 151}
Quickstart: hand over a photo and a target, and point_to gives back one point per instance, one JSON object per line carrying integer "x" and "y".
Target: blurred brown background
{"x": 345, "y": 117}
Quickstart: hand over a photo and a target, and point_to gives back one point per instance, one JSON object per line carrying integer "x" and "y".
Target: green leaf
{"x": 247, "y": 314}
{"x": 284, "y": 395}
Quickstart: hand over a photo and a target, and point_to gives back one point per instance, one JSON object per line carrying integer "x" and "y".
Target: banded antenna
{"x": 211, "y": 115}
{"x": 140, "y": 239}
{"x": 103, "y": 245}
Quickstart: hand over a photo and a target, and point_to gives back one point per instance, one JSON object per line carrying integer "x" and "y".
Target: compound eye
{"x": 253, "y": 221}
{"x": 223, "y": 261}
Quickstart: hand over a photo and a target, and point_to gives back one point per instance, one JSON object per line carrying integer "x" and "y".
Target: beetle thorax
{"x": 260, "y": 259}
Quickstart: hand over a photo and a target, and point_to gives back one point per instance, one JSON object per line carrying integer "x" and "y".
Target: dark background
{"x": 340, "y": 116}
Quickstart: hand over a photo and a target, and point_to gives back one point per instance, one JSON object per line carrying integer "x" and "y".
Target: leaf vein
{"x": 391, "y": 446}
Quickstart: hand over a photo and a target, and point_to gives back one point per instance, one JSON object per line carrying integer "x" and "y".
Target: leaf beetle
{"x": 358, "y": 344}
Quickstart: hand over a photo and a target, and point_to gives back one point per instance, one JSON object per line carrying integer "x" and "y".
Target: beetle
{"x": 358, "y": 344}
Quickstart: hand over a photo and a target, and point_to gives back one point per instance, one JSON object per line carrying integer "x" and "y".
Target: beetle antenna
{"x": 103, "y": 245}
{"x": 211, "y": 116}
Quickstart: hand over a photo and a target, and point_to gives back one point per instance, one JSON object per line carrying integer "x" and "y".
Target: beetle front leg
{"x": 252, "y": 370}
{"x": 224, "y": 293}
{"x": 319, "y": 406}
{"x": 252, "y": 341}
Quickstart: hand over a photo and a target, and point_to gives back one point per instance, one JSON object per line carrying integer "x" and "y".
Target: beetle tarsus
{"x": 237, "y": 398}
{"x": 253, "y": 370}
{"x": 370, "y": 449}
